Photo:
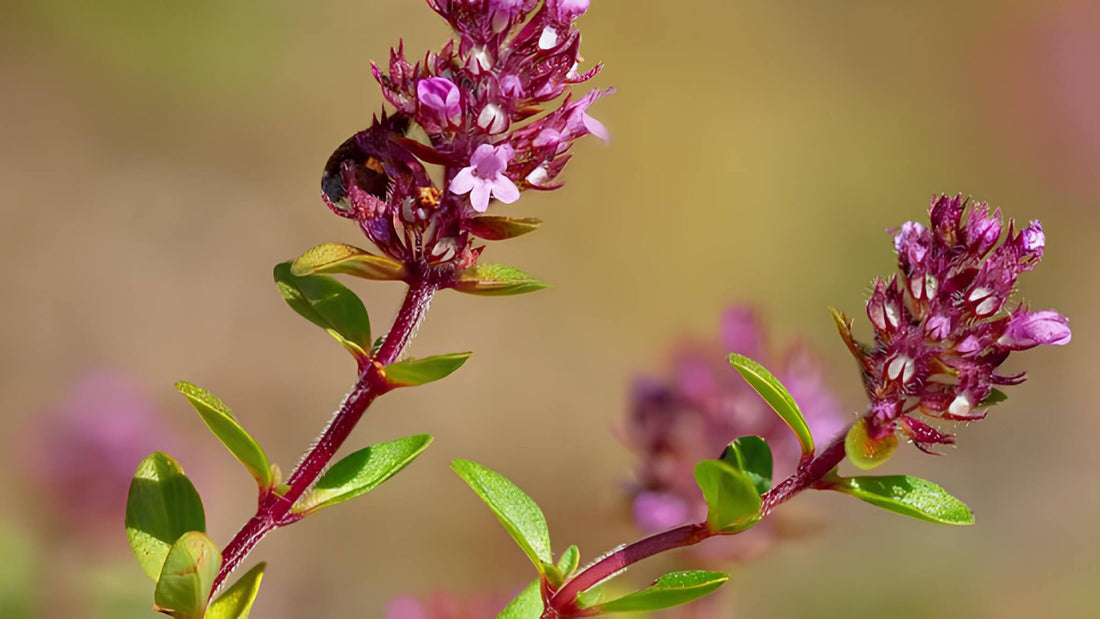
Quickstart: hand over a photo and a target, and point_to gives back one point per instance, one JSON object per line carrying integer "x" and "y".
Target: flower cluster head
{"x": 693, "y": 415}
{"x": 483, "y": 104}
{"x": 945, "y": 322}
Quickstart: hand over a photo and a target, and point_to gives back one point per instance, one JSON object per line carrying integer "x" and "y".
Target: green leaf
{"x": 519, "y": 514}
{"x": 752, "y": 456}
{"x": 328, "y": 304}
{"x": 865, "y": 452}
{"x": 553, "y": 575}
{"x": 777, "y": 396}
{"x": 413, "y": 372}
{"x": 996, "y": 396}
{"x": 590, "y": 597}
{"x": 732, "y": 500}
{"x": 361, "y": 472}
{"x": 569, "y": 561}
{"x": 237, "y": 600}
{"x": 498, "y": 228}
{"x": 349, "y": 260}
{"x": 496, "y": 279}
{"x": 187, "y": 577}
{"x": 162, "y": 505}
{"x": 221, "y": 422}
{"x": 526, "y": 605}
{"x": 669, "y": 590}
{"x": 909, "y": 496}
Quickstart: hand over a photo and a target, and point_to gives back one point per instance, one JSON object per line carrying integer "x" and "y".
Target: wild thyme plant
{"x": 942, "y": 327}
{"x": 494, "y": 111}
{"x": 482, "y": 111}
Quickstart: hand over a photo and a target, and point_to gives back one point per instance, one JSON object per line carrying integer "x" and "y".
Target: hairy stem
{"x": 564, "y": 601}
{"x": 273, "y": 509}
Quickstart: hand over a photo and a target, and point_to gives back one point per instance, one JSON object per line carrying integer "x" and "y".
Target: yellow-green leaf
{"x": 909, "y": 496}
{"x": 221, "y": 422}
{"x": 496, "y": 280}
{"x": 362, "y": 472}
{"x": 236, "y": 601}
{"x": 668, "y": 591}
{"x": 732, "y": 500}
{"x": 339, "y": 258}
{"x": 162, "y": 505}
{"x": 328, "y": 304}
{"x": 777, "y": 396}
{"x": 183, "y": 587}
{"x": 414, "y": 372}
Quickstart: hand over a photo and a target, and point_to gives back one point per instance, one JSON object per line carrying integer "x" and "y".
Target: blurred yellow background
{"x": 158, "y": 158}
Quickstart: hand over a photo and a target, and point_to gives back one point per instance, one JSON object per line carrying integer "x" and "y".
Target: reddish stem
{"x": 564, "y": 601}
{"x": 274, "y": 510}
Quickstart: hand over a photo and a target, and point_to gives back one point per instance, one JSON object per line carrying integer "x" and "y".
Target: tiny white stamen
{"x": 548, "y": 38}
{"x": 892, "y": 314}
{"x": 916, "y": 286}
{"x": 960, "y": 406}
{"x": 492, "y": 119}
{"x": 538, "y": 176}
{"x": 979, "y": 293}
{"x": 902, "y": 366}
{"x": 479, "y": 61}
{"x": 987, "y": 307}
{"x": 930, "y": 285}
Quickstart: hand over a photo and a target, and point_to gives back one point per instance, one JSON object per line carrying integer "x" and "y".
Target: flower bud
{"x": 1029, "y": 329}
{"x": 441, "y": 95}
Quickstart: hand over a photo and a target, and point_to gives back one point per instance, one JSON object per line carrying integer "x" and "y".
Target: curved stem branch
{"x": 273, "y": 508}
{"x": 564, "y": 601}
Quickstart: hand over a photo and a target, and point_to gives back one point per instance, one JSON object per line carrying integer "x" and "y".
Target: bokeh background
{"x": 157, "y": 158}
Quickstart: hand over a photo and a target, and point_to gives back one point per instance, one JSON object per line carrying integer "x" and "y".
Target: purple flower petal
{"x": 479, "y": 196}
{"x": 463, "y": 182}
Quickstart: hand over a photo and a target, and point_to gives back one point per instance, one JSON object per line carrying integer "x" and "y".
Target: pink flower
{"x": 485, "y": 178}
{"x": 568, "y": 10}
{"x": 580, "y": 123}
{"x": 441, "y": 95}
{"x": 1029, "y": 329}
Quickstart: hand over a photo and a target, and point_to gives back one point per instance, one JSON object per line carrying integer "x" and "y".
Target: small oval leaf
{"x": 777, "y": 396}
{"x": 496, "y": 279}
{"x": 328, "y": 304}
{"x": 996, "y": 396}
{"x": 414, "y": 372}
{"x": 527, "y": 605}
{"x": 909, "y": 496}
{"x": 669, "y": 590}
{"x": 361, "y": 472}
{"x": 732, "y": 500}
{"x": 237, "y": 600}
{"x": 866, "y": 452}
{"x": 752, "y": 456}
{"x": 498, "y": 228}
{"x": 339, "y": 258}
{"x": 162, "y": 505}
{"x": 569, "y": 561}
{"x": 518, "y": 512}
{"x": 183, "y": 587}
{"x": 221, "y": 422}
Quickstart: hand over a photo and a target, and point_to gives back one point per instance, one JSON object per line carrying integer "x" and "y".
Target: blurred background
{"x": 157, "y": 158}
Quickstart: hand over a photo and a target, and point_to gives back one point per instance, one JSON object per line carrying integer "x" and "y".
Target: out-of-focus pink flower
{"x": 443, "y": 605}
{"x": 80, "y": 455}
{"x": 704, "y": 405}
